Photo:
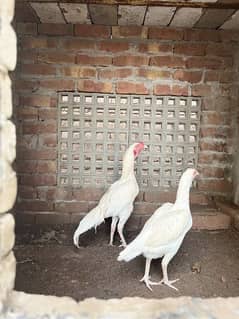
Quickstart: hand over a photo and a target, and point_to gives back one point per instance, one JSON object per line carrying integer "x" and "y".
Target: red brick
{"x": 32, "y": 128}
{"x": 216, "y": 132}
{"x": 229, "y": 35}
{"x": 93, "y": 86}
{"x": 64, "y": 193}
{"x": 46, "y": 193}
{"x": 87, "y": 194}
{"x": 27, "y": 192}
{"x": 56, "y": 57}
{"x": 48, "y": 140}
{"x": 208, "y": 63}
{"x": 215, "y": 185}
{"x": 27, "y": 56}
{"x": 110, "y": 46}
{"x": 223, "y": 103}
{"x": 92, "y": 31}
{"x": 214, "y": 158}
{"x": 167, "y": 61}
{"x": 197, "y": 198}
{"x": 215, "y": 146}
{"x": 38, "y": 43}
{"x": 165, "y": 33}
{"x": 52, "y": 218}
{"x": 228, "y": 77}
{"x": 153, "y": 74}
{"x": 38, "y": 69}
{"x": 201, "y": 90}
{"x": 37, "y": 100}
{"x": 26, "y": 28}
{"x": 110, "y": 73}
{"x": 27, "y": 142}
{"x": 129, "y": 32}
{"x": 26, "y": 113}
{"x": 145, "y": 208}
{"x": 38, "y": 180}
{"x": 133, "y": 60}
{"x": 179, "y": 90}
{"x": 160, "y": 89}
{"x": 221, "y": 49}
{"x": 77, "y": 44}
{"x": 188, "y": 76}
{"x": 93, "y": 60}
{"x": 35, "y": 205}
{"x": 226, "y": 90}
{"x": 201, "y": 35}
{"x": 72, "y": 207}
{"x": 47, "y": 114}
{"x": 49, "y": 154}
{"x": 159, "y": 197}
{"x": 131, "y": 88}
{"x": 213, "y": 118}
{"x": 77, "y": 71}
{"x": 207, "y": 221}
{"x": 46, "y": 167}
{"x": 55, "y": 29}
{"x": 211, "y": 76}
{"x": 193, "y": 49}
{"x": 59, "y": 85}
{"x": 215, "y": 172}
{"x": 155, "y": 47}
{"x": 24, "y": 218}
{"x": 227, "y": 208}
{"x": 26, "y": 166}
{"x": 25, "y": 85}
{"x": 47, "y": 127}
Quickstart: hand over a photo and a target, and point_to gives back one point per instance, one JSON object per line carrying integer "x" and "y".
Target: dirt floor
{"x": 47, "y": 263}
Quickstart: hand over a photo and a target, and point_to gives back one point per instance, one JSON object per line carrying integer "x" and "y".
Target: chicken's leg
{"x": 146, "y": 275}
{"x": 165, "y": 281}
{"x": 112, "y": 231}
{"x": 120, "y": 231}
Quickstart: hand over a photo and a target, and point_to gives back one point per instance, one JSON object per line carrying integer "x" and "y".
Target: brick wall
{"x": 132, "y": 59}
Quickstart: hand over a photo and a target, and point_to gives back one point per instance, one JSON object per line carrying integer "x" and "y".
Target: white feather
{"x": 165, "y": 229}
{"x": 117, "y": 201}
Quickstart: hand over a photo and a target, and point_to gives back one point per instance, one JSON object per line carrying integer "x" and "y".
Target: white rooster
{"x": 163, "y": 233}
{"x": 117, "y": 202}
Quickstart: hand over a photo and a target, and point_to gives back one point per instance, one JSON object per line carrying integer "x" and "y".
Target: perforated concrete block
{"x": 7, "y": 275}
{"x": 8, "y": 50}
{"x": 7, "y": 235}
{"x": 8, "y": 186}
{"x": 5, "y": 94}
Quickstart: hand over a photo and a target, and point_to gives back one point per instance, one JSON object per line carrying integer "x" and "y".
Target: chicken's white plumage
{"x": 164, "y": 232}
{"x": 117, "y": 202}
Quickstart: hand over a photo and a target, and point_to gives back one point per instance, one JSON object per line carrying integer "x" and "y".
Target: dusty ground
{"x": 47, "y": 263}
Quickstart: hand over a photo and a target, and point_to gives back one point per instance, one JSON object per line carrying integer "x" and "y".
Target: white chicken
{"x": 117, "y": 202}
{"x": 163, "y": 233}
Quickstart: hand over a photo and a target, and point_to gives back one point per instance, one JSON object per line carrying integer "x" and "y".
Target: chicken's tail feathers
{"x": 130, "y": 252}
{"x": 92, "y": 219}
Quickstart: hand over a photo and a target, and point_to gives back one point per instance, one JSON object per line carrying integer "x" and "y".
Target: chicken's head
{"x": 138, "y": 147}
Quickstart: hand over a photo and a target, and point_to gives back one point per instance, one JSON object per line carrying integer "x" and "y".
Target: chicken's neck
{"x": 182, "y": 198}
{"x": 128, "y": 168}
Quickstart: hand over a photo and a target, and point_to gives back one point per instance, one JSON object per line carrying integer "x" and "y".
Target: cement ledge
{"x": 22, "y": 305}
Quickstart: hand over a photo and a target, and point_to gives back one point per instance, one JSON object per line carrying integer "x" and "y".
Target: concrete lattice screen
{"x": 19, "y": 305}
{"x": 94, "y": 130}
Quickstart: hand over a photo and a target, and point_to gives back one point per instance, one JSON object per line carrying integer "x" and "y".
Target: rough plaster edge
{"x": 182, "y": 307}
